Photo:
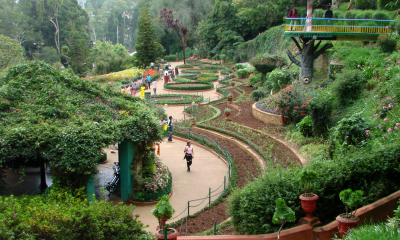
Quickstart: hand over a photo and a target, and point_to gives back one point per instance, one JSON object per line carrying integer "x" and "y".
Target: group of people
{"x": 168, "y": 72}
{"x": 293, "y": 13}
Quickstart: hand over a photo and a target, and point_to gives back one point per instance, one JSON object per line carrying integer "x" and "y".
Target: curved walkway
{"x": 207, "y": 171}
{"x": 177, "y": 111}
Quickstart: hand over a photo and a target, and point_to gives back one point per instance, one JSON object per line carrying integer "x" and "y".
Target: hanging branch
{"x": 167, "y": 15}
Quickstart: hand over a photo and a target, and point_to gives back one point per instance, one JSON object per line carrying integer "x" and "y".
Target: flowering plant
{"x": 159, "y": 179}
{"x": 291, "y": 104}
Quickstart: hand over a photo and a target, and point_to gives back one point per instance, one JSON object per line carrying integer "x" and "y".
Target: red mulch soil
{"x": 247, "y": 89}
{"x": 248, "y": 169}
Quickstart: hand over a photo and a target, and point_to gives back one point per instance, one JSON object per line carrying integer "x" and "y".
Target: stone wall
{"x": 268, "y": 118}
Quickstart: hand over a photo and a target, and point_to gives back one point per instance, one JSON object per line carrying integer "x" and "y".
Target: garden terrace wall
{"x": 374, "y": 212}
{"x": 268, "y": 118}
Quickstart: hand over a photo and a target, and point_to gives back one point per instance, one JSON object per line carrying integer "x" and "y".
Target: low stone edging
{"x": 269, "y": 118}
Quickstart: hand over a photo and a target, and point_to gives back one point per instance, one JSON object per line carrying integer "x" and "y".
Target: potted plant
{"x": 163, "y": 211}
{"x": 351, "y": 200}
{"x": 232, "y": 84}
{"x": 230, "y": 97}
{"x": 193, "y": 121}
{"x": 232, "y": 76}
{"x": 227, "y": 112}
{"x": 282, "y": 214}
{"x": 308, "y": 199}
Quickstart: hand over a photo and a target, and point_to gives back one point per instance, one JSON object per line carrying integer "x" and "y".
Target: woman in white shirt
{"x": 189, "y": 154}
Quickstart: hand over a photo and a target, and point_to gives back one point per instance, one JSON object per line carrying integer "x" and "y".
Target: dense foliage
{"x": 107, "y": 57}
{"x": 59, "y": 215}
{"x": 66, "y": 121}
{"x": 252, "y": 207}
{"x": 11, "y": 53}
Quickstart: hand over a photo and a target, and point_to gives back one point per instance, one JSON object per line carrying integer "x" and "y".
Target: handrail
{"x": 342, "y": 19}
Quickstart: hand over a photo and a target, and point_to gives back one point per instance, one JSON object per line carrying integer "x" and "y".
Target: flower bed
{"x": 192, "y": 86}
{"x": 156, "y": 185}
{"x": 207, "y": 79}
{"x": 177, "y": 99}
{"x": 126, "y": 73}
{"x": 151, "y": 72}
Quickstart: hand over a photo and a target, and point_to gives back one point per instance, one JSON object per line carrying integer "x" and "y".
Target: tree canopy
{"x": 11, "y": 53}
{"x": 65, "y": 120}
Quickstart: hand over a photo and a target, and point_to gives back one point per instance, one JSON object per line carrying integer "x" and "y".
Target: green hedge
{"x": 198, "y": 70}
{"x": 175, "y": 86}
{"x": 59, "y": 215}
{"x": 186, "y": 99}
{"x": 217, "y": 113}
{"x": 373, "y": 171}
{"x": 185, "y": 66}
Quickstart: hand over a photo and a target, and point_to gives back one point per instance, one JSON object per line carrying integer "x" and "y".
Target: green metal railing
{"x": 339, "y": 25}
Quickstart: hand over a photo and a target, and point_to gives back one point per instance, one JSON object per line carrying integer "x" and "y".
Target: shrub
{"x": 375, "y": 231}
{"x": 170, "y": 58}
{"x": 366, "y": 4}
{"x": 320, "y": 112}
{"x": 305, "y": 126}
{"x": 318, "y": 13}
{"x": 279, "y": 78}
{"x": 381, "y": 15}
{"x": 387, "y": 43}
{"x": 314, "y": 151}
{"x": 267, "y": 63}
{"x": 292, "y": 104}
{"x": 350, "y": 131}
{"x": 257, "y": 95}
{"x": 243, "y": 73}
{"x": 375, "y": 173}
{"x": 59, "y": 215}
{"x": 348, "y": 86}
{"x": 255, "y": 80}
{"x": 368, "y": 14}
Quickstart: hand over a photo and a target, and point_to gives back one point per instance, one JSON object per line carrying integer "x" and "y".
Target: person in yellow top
{"x": 142, "y": 92}
{"x": 122, "y": 89}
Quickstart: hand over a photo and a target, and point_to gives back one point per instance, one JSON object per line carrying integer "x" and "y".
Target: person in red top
{"x": 293, "y": 14}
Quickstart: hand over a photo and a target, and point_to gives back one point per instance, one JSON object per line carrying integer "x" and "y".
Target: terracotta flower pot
{"x": 346, "y": 223}
{"x": 227, "y": 114}
{"x": 230, "y": 99}
{"x": 171, "y": 236}
{"x": 233, "y": 76}
{"x": 232, "y": 84}
{"x": 309, "y": 204}
{"x": 193, "y": 122}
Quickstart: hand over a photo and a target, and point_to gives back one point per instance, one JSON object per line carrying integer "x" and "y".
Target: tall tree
{"x": 182, "y": 32}
{"x": 11, "y": 53}
{"x": 147, "y": 47}
{"x": 78, "y": 52}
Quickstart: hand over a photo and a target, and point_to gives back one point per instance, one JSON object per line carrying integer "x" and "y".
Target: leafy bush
{"x": 366, "y": 4}
{"x": 279, "y": 78}
{"x": 257, "y": 95}
{"x": 387, "y": 43}
{"x": 375, "y": 173}
{"x": 348, "y": 86}
{"x": 243, "y": 73}
{"x": 350, "y": 131}
{"x": 59, "y": 215}
{"x": 291, "y": 103}
{"x": 381, "y": 15}
{"x": 255, "y": 80}
{"x": 185, "y": 66}
{"x": 320, "y": 112}
{"x": 305, "y": 126}
{"x": 170, "y": 58}
{"x": 380, "y": 230}
{"x": 267, "y": 63}
{"x": 318, "y": 13}
{"x": 313, "y": 150}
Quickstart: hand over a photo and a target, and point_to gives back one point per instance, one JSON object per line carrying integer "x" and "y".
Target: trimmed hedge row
{"x": 202, "y": 86}
{"x": 217, "y": 113}
{"x": 199, "y": 70}
{"x": 375, "y": 171}
{"x": 186, "y": 99}
{"x": 185, "y": 66}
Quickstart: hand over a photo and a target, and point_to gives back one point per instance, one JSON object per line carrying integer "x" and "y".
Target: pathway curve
{"x": 177, "y": 111}
{"x": 207, "y": 171}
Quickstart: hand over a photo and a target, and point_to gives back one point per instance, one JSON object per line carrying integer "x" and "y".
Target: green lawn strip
{"x": 202, "y": 86}
{"x": 187, "y": 99}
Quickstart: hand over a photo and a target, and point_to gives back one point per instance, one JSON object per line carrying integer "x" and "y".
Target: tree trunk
{"x": 184, "y": 55}
{"x": 307, "y": 67}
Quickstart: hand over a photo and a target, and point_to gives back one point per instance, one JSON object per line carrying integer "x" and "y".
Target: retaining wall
{"x": 268, "y": 118}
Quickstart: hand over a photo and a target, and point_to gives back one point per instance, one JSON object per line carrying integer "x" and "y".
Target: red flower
{"x": 17, "y": 110}
{"x": 10, "y": 109}
{"x": 297, "y": 107}
{"x": 62, "y": 107}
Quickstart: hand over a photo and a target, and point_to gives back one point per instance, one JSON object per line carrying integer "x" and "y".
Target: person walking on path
{"x": 293, "y": 14}
{"x": 328, "y": 16}
{"x": 143, "y": 81}
{"x": 189, "y": 155}
{"x": 170, "y": 125}
{"x": 176, "y": 71}
{"x": 288, "y": 11}
{"x": 148, "y": 80}
{"x": 154, "y": 88}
